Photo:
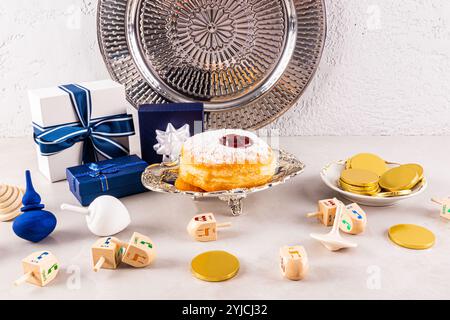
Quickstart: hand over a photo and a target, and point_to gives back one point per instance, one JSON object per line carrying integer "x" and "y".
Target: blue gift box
{"x": 117, "y": 177}
{"x": 154, "y": 117}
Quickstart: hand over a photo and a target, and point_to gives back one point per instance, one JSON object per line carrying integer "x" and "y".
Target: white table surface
{"x": 376, "y": 269}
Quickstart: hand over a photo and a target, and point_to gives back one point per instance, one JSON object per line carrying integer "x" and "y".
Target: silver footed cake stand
{"x": 161, "y": 178}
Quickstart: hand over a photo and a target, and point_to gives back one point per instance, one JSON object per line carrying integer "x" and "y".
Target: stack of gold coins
{"x": 368, "y": 174}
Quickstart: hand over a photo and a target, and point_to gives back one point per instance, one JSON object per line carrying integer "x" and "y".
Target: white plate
{"x": 331, "y": 173}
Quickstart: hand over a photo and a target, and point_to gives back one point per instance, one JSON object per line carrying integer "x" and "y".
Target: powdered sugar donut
{"x": 226, "y": 159}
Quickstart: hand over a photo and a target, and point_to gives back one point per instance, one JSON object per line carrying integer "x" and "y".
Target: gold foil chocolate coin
{"x": 368, "y": 161}
{"x": 360, "y": 190}
{"x": 399, "y": 178}
{"x": 215, "y": 266}
{"x": 359, "y": 177}
{"x": 411, "y": 236}
{"x": 394, "y": 193}
{"x": 417, "y": 167}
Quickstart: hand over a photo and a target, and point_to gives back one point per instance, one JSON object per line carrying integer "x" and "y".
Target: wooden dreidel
{"x": 333, "y": 240}
{"x": 293, "y": 262}
{"x": 203, "y": 227}
{"x": 326, "y": 213}
{"x": 106, "y": 253}
{"x": 39, "y": 268}
{"x": 445, "y": 209}
{"x": 353, "y": 220}
{"x": 139, "y": 252}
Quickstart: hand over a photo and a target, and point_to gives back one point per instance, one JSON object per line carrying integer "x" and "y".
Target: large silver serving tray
{"x": 161, "y": 178}
{"x": 247, "y": 60}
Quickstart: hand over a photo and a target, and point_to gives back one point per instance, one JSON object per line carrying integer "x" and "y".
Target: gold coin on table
{"x": 411, "y": 236}
{"x": 399, "y": 178}
{"x": 359, "y": 177}
{"x": 215, "y": 266}
{"x": 370, "y": 162}
{"x": 417, "y": 167}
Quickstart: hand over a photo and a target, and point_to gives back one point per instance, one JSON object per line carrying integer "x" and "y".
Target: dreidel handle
{"x": 23, "y": 278}
{"x": 99, "y": 264}
{"x": 69, "y": 207}
{"x": 313, "y": 214}
{"x": 223, "y": 225}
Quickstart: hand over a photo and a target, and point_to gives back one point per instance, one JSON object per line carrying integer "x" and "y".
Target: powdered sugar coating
{"x": 206, "y": 148}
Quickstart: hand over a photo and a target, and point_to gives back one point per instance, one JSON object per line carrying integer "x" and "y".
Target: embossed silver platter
{"x": 161, "y": 178}
{"x": 248, "y": 60}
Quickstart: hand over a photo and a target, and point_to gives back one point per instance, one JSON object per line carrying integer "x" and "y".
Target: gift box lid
{"x": 52, "y": 106}
{"x": 106, "y": 175}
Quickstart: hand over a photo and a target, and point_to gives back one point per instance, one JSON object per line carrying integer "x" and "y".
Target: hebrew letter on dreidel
{"x": 353, "y": 220}
{"x": 106, "y": 254}
{"x": 445, "y": 207}
{"x": 293, "y": 262}
{"x": 203, "y": 227}
{"x": 139, "y": 252}
{"x": 39, "y": 268}
{"x": 326, "y": 211}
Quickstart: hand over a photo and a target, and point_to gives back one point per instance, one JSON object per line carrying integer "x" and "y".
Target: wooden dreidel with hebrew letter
{"x": 203, "y": 227}
{"x": 353, "y": 220}
{"x": 139, "y": 252}
{"x": 293, "y": 262}
{"x": 106, "y": 253}
{"x": 326, "y": 213}
{"x": 39, "y": 268}
{"x": 333, "y": 240}
{"x": 445, "y": 209}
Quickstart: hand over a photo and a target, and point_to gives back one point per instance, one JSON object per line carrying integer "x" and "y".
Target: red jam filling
{"x": 236, "y": 141}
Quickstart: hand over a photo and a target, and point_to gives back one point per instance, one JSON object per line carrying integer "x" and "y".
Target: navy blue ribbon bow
{"x": 96, "y": 134}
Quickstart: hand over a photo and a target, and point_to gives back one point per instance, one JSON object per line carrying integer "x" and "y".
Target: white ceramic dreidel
{"x": 445, "y": 207}
{"x": 105, "y": 216}
{"x": 203, "y": 227}
{"x": 139, "y": 252}
{"x": 39, "y": 268}
{"x": 293, "y": 262}
{"x": 326, "y": 213}
{"x": 353, "y": 220}
{"x": 333, "y": 240}
{"x": 106, "y": 254}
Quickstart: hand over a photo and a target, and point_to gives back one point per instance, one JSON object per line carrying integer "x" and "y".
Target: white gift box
{"x": 52, "y": 106}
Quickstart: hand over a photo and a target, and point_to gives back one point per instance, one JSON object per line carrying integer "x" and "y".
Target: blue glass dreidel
{"x": 35, "y": 224}
{"x": 39, "y": 268}
{"x": 105, "y": 217}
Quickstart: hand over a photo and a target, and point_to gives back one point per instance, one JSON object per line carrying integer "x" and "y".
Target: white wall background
{"x": 385, "y": 68}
